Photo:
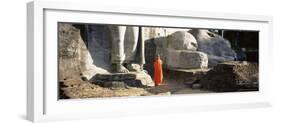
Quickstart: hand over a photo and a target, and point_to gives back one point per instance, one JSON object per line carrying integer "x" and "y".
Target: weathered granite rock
{"x": 231, "y": 76}
{"x": 217, "y": 48}
{"x": 182, "y": 40}
{"x": 133, "y": 79}
{"x": 186, "y": 59}
{"x": 74, "y": 57}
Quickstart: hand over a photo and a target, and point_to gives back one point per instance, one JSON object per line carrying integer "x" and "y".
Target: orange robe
{"x": 158, "y": 73}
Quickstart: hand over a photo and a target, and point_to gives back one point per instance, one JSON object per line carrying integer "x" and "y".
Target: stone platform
{"x": 184, "y": 75}
{"x": 121, "y": 80}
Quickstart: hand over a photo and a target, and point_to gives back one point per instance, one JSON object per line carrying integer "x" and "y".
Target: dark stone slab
{"x": 122, "y": 80}
{"x": 116, "y": 76}
{"x": 187, "y": 76}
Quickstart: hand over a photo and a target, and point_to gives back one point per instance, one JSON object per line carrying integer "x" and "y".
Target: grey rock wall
{"x": 74, "y": 58}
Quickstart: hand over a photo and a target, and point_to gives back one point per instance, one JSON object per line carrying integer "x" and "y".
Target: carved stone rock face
{"x": 73, "y": 55}
{"x": 75, "y": 59}
{"x": 182, "y": 40}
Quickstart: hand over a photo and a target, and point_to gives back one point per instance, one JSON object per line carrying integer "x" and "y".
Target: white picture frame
{"x": 42, "y": 102}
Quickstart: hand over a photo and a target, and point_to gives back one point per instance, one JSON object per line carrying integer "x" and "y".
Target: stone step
{"x": 132, "y": 79}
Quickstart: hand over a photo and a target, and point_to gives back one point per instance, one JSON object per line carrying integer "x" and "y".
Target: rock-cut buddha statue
{"x": 127, "y": 53}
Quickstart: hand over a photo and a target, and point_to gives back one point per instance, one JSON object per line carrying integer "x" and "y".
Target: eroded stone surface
{"x": 74, "y": 57}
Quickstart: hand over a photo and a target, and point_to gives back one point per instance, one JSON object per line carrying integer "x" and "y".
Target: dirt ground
{"x": 75, "y": 89}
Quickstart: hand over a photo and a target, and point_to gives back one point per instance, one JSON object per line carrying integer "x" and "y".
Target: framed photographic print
{"x": 106, "y": 61}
